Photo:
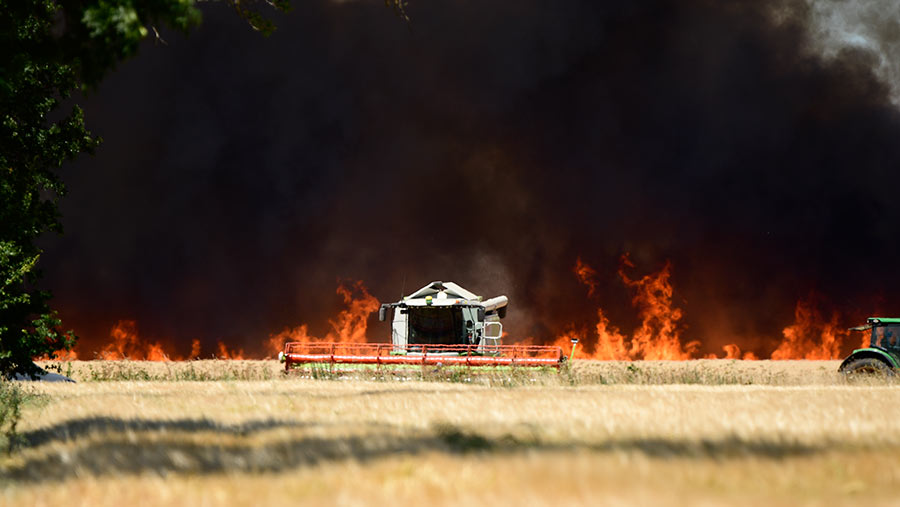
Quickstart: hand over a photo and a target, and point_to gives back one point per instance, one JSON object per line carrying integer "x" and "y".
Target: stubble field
{"x": 669, "y": 433}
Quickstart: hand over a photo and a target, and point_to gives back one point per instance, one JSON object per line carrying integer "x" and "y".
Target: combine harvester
{"x": 441, "y": 325}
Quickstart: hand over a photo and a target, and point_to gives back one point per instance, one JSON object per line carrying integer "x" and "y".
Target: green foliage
{"x": 31, "y": 86}
{"x": 104, "y": 32}
{"x": 12, "y": 397}
{"x": 52, "y": 48}
{"x": 399, "y": 7}
{"x": 248, "y": 9}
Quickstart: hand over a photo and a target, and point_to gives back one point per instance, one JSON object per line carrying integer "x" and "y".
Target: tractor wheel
{"x": 868, "y": 366}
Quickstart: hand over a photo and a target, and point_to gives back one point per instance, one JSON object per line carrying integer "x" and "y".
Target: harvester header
{"x": 441, "y": 324}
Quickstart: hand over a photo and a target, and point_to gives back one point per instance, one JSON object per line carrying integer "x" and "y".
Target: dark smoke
{"x": 491, "y": 144}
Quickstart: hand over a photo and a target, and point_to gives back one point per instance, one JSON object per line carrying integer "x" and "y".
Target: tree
{"x": 50, "y": 49}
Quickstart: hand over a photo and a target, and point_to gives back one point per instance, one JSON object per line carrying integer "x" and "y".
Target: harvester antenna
{"x": 403, "y": 287}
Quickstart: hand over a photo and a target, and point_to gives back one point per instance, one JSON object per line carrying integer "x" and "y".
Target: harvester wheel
{"x": 868, "y": 366}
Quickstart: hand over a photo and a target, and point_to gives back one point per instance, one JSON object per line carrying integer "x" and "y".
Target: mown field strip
{"x": 849, "y": 415}
{"x": 359, "y": 442}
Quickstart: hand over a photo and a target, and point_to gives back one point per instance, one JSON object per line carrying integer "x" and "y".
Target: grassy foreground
{"x": 785, "y": 439}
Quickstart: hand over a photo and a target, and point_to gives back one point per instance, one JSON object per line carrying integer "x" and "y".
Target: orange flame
{"x": 348, "y": 327}
{"x": 224, "y": 353}
{"x": 810, "y": 336}
{"x": 126, "y": 345}
{"x": 60, "y": 355}
{"x": 276, "y": 342}
{"x": 563, "y": 341}
{"x": 659, "y": 336}
{"x": 155, "y": 353}
{"x": 610, "y": 342}
{"x": 732, "y": 351}
{"x": 195, "y": 349}
{"x": 586, "y": 275}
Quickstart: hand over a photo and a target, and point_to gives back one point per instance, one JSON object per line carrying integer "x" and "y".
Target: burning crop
{"x": 125, "y": 341}
{"x": 126, "y": 344}
{"x": 811, "y": 336}
{"x": 224, "y": 353}
{"x": 660, "y": 334}
{"x": 348, "y": 327}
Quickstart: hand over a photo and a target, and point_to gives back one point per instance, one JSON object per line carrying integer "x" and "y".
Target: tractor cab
{"x": 886, "y": 336}
{"x": 883, "y": 353}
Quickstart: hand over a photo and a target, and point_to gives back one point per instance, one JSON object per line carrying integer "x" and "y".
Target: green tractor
{"x": 882, "y": 356}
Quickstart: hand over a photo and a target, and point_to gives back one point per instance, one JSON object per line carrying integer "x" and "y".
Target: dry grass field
{"x": 702, "y": 371}
{"x": 648, "y": 433}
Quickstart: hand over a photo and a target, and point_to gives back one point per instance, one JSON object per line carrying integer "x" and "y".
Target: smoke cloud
{"x": 869, "y": 28}
{"x": 492, "y": 143}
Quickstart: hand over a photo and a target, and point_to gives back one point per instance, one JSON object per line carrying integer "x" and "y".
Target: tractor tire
{"x": 868, "y": 366}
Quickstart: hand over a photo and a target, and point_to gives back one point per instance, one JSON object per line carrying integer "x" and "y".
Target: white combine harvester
{"x": 446, "y": 314}
{"x": 441, "y": 324}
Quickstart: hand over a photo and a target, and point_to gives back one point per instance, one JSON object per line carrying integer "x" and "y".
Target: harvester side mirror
{"x": 481, "y": 314}
{"x": 382, "y": 312}
{"x": 493, "y": 330}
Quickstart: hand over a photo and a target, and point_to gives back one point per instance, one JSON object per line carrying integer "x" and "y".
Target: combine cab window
{"x": 436, "y": 326}
{"x": 887, "y": 337}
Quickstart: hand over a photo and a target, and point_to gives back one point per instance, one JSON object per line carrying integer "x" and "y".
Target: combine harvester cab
{"x": 439, "y": 325}
{"x": 882, "y": 356}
